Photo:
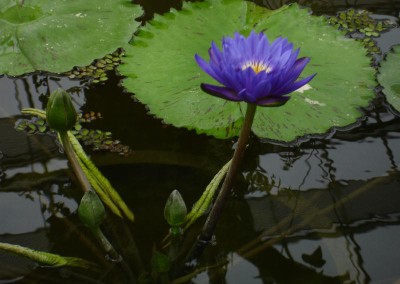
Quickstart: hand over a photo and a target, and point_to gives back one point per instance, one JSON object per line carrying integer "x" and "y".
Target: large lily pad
{"x": 56, "y": 35}
{"x": 389, "y": 77}
{"x": 162, "y": 72}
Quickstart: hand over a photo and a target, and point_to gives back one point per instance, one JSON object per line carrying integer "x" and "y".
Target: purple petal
{"x": 275, "y": 74}
{"x": 297, "y": 85}
{"x": 262, "y": 89}
{"x": 206, "y": 67}
{"x": 285, "y": 57}
{"x": 262, "y": 46}
{"x": 246, "y": 96}
{"x": 276, "y": 47}
{"x": 291, "y": 76}
{"x": 221, "y": 92}
{"x": 298, "y": 67}
{"x": 273, "y": 101}
{"x": 215, "y": 53}
{"x": 252, "y": 41}
{"x": 293, "y": 57}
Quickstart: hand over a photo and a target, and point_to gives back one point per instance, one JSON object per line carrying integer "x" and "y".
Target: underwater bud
{"x": 175, "y": 209}
{"x": 91, "y": 211}
{"x": 160, "y": 262}
{"x": 60, "y": 112}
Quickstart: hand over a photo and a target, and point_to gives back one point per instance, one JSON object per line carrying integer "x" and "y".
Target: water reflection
{"x": 32, "y": 92}
{"x": 316, "y": 168}
{"x": 325, "y": 231}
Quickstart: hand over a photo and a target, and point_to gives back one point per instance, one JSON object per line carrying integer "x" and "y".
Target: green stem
{"x": 112, "y": 255}
{"x": 73, "y": 160}
{"x": 216, "y": 210}
{"x": 107, "y": 246}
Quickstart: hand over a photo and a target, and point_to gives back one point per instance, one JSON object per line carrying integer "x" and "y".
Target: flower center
{"x": 257, "y": 67}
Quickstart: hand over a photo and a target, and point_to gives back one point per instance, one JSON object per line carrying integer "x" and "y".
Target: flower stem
{"x": 107, "y": 246}
{"x": 73, "y": 160}
{"x": 216, "y": 210}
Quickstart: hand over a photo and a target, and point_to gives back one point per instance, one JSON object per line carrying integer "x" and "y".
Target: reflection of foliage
{"x": 361, "y": 25}
{"x": 97, "y": 139}
{"x": 97, "y": 71}
{"x": 315, "y": 259}
{"x": 258, "y": 181}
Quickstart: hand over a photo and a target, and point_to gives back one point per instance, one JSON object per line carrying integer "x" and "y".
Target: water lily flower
{"x": 254, "y": 70}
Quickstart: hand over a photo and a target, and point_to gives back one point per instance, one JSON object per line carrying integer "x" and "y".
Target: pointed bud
{"x": 60, "y": 112}
{"x": 175, "y": 209}
{"x": 91, "y": 211}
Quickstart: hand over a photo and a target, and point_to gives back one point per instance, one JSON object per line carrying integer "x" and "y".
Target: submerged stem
{"x": 107, "y": 246}
{"x": 216, "y": 210}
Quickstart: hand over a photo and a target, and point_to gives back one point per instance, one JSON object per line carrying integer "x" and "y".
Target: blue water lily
{"x": 254, "y": 70}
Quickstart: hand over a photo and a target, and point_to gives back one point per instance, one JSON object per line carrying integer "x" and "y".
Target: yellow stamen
{"x": 257, "y": 67}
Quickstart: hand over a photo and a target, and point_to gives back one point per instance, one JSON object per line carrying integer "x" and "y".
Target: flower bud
{"x": 160, "y": 262}
{"x": 60, "y": 112}
{"x": 91, "y": 211}
{"x": 175, "y": 209}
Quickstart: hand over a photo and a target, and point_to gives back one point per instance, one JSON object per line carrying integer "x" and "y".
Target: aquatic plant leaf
{"x": 163, "y": 74}
{"x": 389, "y": 77}
{"x": 55, "y": 36}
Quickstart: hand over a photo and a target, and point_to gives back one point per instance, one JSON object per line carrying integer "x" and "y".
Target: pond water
{"x": 324, "y": 211}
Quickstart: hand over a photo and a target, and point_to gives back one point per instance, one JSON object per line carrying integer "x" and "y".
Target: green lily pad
{"x": 163, "y": 74}
{"x": 389, "y": 77}
{"x": 55, "y": 36}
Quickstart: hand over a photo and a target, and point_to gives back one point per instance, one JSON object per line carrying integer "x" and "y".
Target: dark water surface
{"x": 325, "y": 211}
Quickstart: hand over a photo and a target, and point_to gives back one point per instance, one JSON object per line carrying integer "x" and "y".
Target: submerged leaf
{"x": 160, "y": 262}
{"x": 163, "y": 74}
{"x": 55, "y": 36}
